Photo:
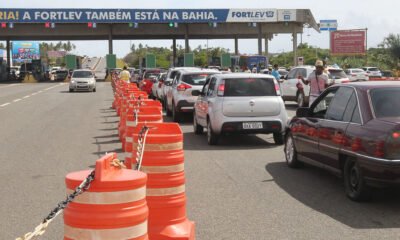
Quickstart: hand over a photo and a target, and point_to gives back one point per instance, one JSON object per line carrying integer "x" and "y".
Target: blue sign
{"x": 23, "y": 51}
{"x": 328, "y": 25}
{"x": 136, "y": 15}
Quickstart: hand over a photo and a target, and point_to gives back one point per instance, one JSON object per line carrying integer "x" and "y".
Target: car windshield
{"x": 336, "y": 73}
{"x": 197, "y": 79}
{"x": 386, "y": 102}
{"x": 151, "y": 74}
{"x": 82, "y": 74}
{"x": 245, "y": 87}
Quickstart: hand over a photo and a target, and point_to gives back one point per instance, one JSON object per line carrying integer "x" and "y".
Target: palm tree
{"x": 392, "y": 44}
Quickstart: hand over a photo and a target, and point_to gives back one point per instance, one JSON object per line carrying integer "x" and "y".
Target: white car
{"x": 179, "y": 96}
{"x": 240, "y": 103}
{"x": 165, "y": 88}
{"x": 356, "y": 74}
{"x": 373, "y": 72}
{"x": 82, "y": 80}
{"x": 156, "y": 89}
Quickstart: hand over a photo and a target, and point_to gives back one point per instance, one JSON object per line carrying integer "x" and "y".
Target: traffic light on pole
{"x": 3, "y": 25}
{"x": 92, "y": 25}
{"x": 47, "y": 25}
{"x": 173, "y": 24}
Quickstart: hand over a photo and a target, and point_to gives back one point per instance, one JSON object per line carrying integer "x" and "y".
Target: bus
{"x": 248, "y": 62}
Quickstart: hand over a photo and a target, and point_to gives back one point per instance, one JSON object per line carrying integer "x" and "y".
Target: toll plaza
{"x": 168, "y": 24}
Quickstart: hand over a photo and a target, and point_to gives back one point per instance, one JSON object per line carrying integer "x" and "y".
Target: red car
{"x": 352, "y": 130}
{"x": 148, "y": 79}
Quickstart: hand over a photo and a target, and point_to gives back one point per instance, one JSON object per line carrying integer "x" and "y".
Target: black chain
{"x": 85, "y": 185}
{"x": 140, "y": 145}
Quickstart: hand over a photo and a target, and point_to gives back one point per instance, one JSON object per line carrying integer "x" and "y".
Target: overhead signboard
{"x": 24, "y": 51}
{"x": 348, "y": 42}
{"x": 328, "y": 25}
{"x": 56, "y": 54}
{"x": 287, "y": 15}
{"x": 142, "y": 15}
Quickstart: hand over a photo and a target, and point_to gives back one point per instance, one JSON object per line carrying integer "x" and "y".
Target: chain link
{"x": 41, "y": 228}
{"x": 140, "y": 148}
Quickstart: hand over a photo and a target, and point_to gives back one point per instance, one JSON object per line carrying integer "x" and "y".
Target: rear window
{"x": 386, "y": 102}
{"x": 333, "y": 73}
{"x": 373, "y": 69}
{"x": 151, "y": 74}
{"x": 82, "y": 74}
{"x": 246, "y": 87}
{"x": 195, "y": 79}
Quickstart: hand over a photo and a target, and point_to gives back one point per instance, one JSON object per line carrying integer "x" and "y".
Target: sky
{"x": 380, "y": 17}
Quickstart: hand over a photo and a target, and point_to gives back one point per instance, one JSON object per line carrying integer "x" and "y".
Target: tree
{"x": 392, "y": 44}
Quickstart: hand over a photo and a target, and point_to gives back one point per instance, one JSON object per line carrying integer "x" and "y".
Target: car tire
{"x": 301, "y": 102}
{"x": 291, "y": 153}
{"x": 355, "y": 186}
{"x": 175, "y": 114}
{"x": 198, "y": 129}
{"x": 94, "y": 89}
{"x": 212, "y": 138}
{"x": 71, "y": 90}
{"x": 167, "y": 111}
{"x": 279, "y": 138}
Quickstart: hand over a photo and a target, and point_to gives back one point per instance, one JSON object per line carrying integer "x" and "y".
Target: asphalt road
{"x": 240, "y": 189}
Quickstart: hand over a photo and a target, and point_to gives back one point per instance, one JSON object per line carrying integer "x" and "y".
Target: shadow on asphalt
{"x": 324, "y": 193}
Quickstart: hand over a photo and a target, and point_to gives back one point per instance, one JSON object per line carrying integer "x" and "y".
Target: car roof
{"x": 244, "y": 75}
{"x": 198, "y": 70}
{"x": 365, "y": 86}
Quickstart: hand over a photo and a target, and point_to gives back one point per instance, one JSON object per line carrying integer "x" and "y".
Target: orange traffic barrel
{"x": 114, "y": 207}
{"x": 134, "y": 117}
{"x": 163, "y": 161}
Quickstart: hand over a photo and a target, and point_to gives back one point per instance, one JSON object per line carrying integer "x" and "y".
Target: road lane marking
{"x": 17, "y": 100}
{"x": 26, "y": 96}
{"x": 5, "y": 104}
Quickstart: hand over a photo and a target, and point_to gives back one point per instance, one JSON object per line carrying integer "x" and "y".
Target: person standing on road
{"x": 125, "y": 75}
{"x": 318, "y": 81}
{"x": 275, "y": 72}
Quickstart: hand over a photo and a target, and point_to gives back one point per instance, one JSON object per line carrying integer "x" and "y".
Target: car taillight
{"x": 393, "y": 146}
{"x": 354, "y": 75}
{"x": 221, "y": 89}
{"x": 183, "y": 87}
{"x": 379, "y": 149}
{"x": 346, "y": 81}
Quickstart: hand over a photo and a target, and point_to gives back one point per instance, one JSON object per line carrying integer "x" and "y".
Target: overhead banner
{"x": 25, "y": 51}
{"x": 348, "y": 42}
{"x": 142, "y": 15}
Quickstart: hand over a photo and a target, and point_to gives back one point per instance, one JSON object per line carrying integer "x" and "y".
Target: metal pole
{"x": 187, "y": 38}
{"x": 110, "y": 41}
{"x": 174, "y": 52}
{"x": 295, "y": 49}
{"x": 266, "y": 45}
{"x": 259, "y": 39}
{"x": 236, "y": 45}
{"x": 8, "y": 49}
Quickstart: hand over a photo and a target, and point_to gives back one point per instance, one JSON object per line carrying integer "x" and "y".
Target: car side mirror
{"x": 196, "y": 93}
{"x": 303, "y": 112}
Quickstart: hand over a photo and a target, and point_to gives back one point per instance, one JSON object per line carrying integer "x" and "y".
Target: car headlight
{"x": 73, "y": 81}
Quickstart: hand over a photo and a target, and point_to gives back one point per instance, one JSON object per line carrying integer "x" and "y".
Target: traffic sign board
{"x": 328, "y": 25}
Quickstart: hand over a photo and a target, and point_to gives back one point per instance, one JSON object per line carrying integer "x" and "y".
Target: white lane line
{"x": 33, "y": 94}
{"x": 5, "y": 104}
{"x": 26, "y": 96}
{"x": 17, "y": 100}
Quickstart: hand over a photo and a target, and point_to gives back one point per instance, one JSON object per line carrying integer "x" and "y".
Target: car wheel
{"x": 291, "y": 153}
{"x": 279, "y": 138}
{"x": 198, "y": 129}
{"x": 355, "y": 186}
{"x": 175, "y": 114}
{"x": 94, "y": 89}
{"x": 300, "y": 99}
{"x": 212, "y": 138}
{"x": 71, "y": 90}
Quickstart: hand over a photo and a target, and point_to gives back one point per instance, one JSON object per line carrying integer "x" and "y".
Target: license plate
{"x": 252, "y": 125}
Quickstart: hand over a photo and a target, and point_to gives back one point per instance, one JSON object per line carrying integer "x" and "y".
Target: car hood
{"x": 82, "y": 79}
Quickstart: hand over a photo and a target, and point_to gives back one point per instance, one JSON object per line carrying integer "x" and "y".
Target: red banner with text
{"x": 348, "y": 42}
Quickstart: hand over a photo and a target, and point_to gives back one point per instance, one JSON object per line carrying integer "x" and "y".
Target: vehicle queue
{"x": 351, "y": 129}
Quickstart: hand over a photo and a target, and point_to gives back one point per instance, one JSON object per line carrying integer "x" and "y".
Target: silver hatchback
{"x": 82, "y": 80}
{"x": 240, "y": 103}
